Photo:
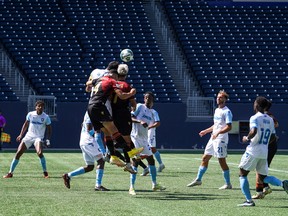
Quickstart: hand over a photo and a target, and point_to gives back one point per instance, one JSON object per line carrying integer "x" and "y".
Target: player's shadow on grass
{"x": 178, "y": 196}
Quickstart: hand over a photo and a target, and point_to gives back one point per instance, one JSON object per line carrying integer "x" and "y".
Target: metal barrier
{"x": 50, "y": 104}
{"x": 200, "y": 108}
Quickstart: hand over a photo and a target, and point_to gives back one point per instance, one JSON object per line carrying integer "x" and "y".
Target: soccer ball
{"x": 126, "y": 55}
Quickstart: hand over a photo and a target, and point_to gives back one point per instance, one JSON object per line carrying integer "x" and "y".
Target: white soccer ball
{"x": 126, "y": 55}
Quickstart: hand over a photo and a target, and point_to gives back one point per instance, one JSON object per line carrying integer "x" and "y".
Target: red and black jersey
{"x": 116, "y": 102}
{"x": 103, "y": 88}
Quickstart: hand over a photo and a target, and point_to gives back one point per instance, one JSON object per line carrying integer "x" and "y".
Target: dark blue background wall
{"x": 174, "y": 132}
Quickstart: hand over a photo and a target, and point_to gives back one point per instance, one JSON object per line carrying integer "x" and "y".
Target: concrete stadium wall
{"x": 174, "y": 132}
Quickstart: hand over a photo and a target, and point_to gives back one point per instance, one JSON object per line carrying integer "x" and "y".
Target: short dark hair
{"x": 262, "y": 102}
{"x": 269, "y": 104}
{"x": 150, "y": 93}
{"x": 113, "y": 65}
{"x": 39, "y": 102}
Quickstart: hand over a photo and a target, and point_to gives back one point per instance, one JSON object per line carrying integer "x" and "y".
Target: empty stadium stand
{"x": 58, "y": 43}
{"x": 240, "y": 47}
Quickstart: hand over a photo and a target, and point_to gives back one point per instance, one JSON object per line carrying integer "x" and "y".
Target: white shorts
{"x": 140, "y": 142}
{"x": 91, "y": 153}
{"x": 249, "y": 163}
{"x": 217, "y": 148}
{"x": 29, "y": 141}
{"x": 152, "y": 141}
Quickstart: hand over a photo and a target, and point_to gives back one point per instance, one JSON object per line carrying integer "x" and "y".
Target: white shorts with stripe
{"x": 217, "y": 148}
{"x": 140, "y": 142}
{"x": 249, "y": 163}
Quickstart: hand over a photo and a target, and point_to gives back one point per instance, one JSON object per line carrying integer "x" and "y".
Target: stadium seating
{"x": 58, "y": 44}
{"x": 6, "y": 93}
{"x": 239, "y": 47}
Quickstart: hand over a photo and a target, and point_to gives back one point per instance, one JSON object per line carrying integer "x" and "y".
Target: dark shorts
{"x": 98, "y": 113}
{"x": 123, "y": 122}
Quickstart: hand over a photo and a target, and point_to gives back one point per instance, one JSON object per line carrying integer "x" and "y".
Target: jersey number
{"x": 265, "y": 135}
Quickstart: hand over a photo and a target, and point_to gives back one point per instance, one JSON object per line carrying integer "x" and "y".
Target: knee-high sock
{"x": 273, "y": 180}
{"x": 226, "y": 175}
{"x": 244, "y": 185}
{"x": 99, "y": 176}
{"x": 99, "y": 140}
{"x": 76, "y": 172}
{"x": 153, "y": 173}
{"x": 13, "y": 165}
{"x": 201, "y": 172}
{"x": 158, "y": 157}
{"x": 43, "y": 163}
{"x": 110, "y": 145}
{"x": 133, "y": 177}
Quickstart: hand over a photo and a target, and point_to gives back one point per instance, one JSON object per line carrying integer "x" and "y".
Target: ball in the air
{"x": 126, "y": 55}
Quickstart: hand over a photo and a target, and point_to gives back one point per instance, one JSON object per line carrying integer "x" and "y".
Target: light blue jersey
{"x": 37, "y": 124}
{"x": 144, "y": 114}
{"x": 222, "y": 117}
{"x": 264, "y": 124}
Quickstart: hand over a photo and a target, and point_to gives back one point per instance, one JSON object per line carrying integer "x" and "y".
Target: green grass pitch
{"x": 28, "y": 193}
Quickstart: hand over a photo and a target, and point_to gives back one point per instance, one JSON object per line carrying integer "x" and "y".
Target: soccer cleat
{"x": 158, "y": 187}
{"x": 247, "y": 204}
{"x": 101, "y": 188}
{"x": 46, "y": 174}
{"x": 129, "y": 168}
{"x": 194, "y": 183}
{"x": 161, "y": 167}
{"x": 258, "y": 195}
{"x": 267, "y": 190}
{"x": 114, "y": 160}
{"x": 132, "y": 191}
{"x": 106, "y": 158}
{"x": 135, "y": 151}
{"x": 8, "y": 175}
{"x": 285, "y": 185}
{"x": 66, "y": 179}
{"x": 145, "y": 171}
{"x": 225, "y": 187}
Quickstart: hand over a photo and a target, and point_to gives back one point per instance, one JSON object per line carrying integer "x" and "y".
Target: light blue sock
{"x": 201, "y": 172}
{"x": 43, "y": 163}
{"x": 76, "y": 172}
{"x": 153, "y": 173}
{"x": 273, "y": 181}
{"x": 13, "y": 165}
{"x": 99, "y": 176}
{"x": 133, "y": 177}
{"x": 226, "y": 175}
{"x": 158, "y": 157}
{"x": 244, "y": 185}
{"x": 99, "y": 140}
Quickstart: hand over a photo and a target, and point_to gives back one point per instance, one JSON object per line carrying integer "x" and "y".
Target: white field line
{"x": 232, "y": 164}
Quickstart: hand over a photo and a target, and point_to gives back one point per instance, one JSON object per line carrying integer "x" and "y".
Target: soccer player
{"x": 96, "y": 74}
{"x": 152, "y": 140}
{"x": 91, "y": 153}
{"x": 217, "y": 144}
{"x": 101, "y": 118}
{"x": 142, "y": 117}
{"x": 255, "y": 157}
{"x": 263, "y": 189}
{"x": 121, "y": 112}
{"x": 38, "y": 123}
